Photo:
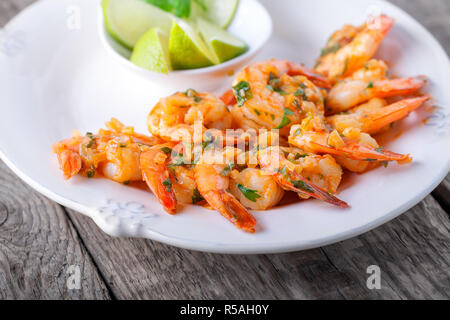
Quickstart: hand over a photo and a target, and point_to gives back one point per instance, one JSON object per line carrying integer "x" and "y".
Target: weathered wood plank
{"x": 9, "y": 8}
{"x": 38, "y": 244}
{"x": 413, "y": 253}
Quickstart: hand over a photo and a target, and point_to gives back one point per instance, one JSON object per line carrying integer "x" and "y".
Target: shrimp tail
{"x": 230, "y": 208}
{"x": 356, "y": 151}
{"x": 398, "y": 87}
{"x": 392, "y": 113}
{"x": 381, "y": 23}
{"x": 318, "y": 79}
{"x": 159, "y": 180}
{"x": 300, "y": 185}
{"x": 70, "y": 163}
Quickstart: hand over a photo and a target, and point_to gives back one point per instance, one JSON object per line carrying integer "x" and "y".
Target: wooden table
{"x": 40, "y": 240}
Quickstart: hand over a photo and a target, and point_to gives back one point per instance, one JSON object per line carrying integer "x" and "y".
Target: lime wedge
{"x": 187, "y": 49}
{"x": 221, "y": 43}
{"x": 151, "y": 52}
{"x": 128, "y": 20}
{"x": 219, "y": 12}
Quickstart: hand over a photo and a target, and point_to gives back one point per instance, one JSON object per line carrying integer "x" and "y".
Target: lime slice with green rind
{"x": 151, "y": 52}
{"x": 221, "y": 43}
{"x": 128, "y": 20}
{"x": 187, "y": 50}
{"x": 219, "y": 12}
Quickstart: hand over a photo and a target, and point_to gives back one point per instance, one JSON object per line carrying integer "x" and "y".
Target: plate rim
{"x": 264, "y": 248}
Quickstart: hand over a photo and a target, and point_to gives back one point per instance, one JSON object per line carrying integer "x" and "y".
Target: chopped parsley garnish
{"x": 302, "y": 186}
{"x": 226, "y": 171}
{"x": 243, "y": 92}
{"x": 370, "y": 85}
{"x": 166, "y": 150}
{"x": 251, "y": 195}
{"x": 197, "y": 197}
{"x": 332, "y": 49}
{"x": 285, "y": 121}
{"x": 345, "y": 67}
{"x": 379, "y": 149}
{"x": 168, "y": 184}
{"x": 257, "y": 112}
{"x": 191, "y": 93}
{"x": 300, "y": 155}
{"x": 370, "y": 160}
{"x": 90, "y": 144}
{"x": 385, "y": 163}
{"x": 274, "y": 84}
{"x": 283, "y": 171}
{"x": 91, "y": 172}
{"x": 178, "y": 161}
{"x": 301, "y": 92}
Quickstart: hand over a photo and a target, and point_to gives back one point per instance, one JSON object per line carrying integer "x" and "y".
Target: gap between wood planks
{"x": 83, "y": 244}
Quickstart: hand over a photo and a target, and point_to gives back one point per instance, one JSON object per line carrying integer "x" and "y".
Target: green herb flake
{"x": 91, "y": 172}
{"x": 251, "y": 195}
{"x": 344, "y": 71}
{"x": 332, "y": 49}
{"x": 370, "y": 85}
{"x": 226, "y": 171}
{"x": 300, "y": 155}
{"x": 302, "y": 186}
{"x": 168, "y": 184}
{"x": 197, "y": 197}
{"x": 243, "y": 92}
{"x": 257, "y": 112}
{"x": 90, "y": 144}
{"x": 166, "y": 150}
{"x": 302, "y": 93}
{"x": 285, "y": 121}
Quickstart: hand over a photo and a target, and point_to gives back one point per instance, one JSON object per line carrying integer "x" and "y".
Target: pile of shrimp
{"x": 296, "y": 130}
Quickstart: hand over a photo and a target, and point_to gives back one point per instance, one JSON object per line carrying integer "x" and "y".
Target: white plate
{"x": 55, "y": 77}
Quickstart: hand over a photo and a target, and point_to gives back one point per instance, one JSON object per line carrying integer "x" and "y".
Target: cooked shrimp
{"x": 286, "y": 173}
{"x": 374, "y": 115}
{"x": 349, "y": 93}
{"x": 213, "y": 184}
{"x": 341, "y": 58}
{"x": 153, "y": 163}
{"x": 113, "y": 152}
{"x": 322, "y": 170}
{"x": 255, "y": 189}
{"x": 269, "y": 95}
{"x": 373, "y": 70}
{"x": 360, "y": 146}
{"x": 174, "y": 117}
{"x": 69, "y": 158}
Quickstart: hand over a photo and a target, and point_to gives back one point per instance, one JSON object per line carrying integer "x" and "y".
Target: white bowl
{"x": 252, "y": 24}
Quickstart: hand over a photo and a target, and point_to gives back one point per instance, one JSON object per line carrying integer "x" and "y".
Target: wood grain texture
{"x": 37, "y": 245}
{"x": 413, "y": 253}
{"x": 38, "y": 241}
